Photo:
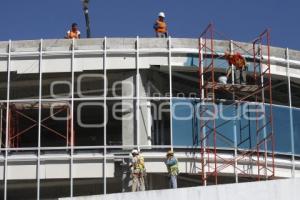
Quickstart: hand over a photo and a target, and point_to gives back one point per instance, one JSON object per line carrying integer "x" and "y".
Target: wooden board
{"x": 235, "y": 87}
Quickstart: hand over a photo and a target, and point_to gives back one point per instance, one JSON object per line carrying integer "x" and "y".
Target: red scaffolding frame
{"x": 260, "y": 86}
{"x": 16, "y": 112}
{"x": 262, "y": 73}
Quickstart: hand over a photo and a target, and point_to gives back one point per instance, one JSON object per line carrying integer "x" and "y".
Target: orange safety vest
{"x": 72, "y": 34}
{"x": 161, "y": 27}
{"x": 237, "y": 60}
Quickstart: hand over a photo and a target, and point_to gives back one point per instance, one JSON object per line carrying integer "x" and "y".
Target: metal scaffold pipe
{"x": 85, "y": 5}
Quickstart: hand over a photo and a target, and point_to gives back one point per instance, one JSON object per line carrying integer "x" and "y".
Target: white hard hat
{"x": 161, "y": 14}
{"x": 134, "y": 151}
{"x": 223, "y": 79}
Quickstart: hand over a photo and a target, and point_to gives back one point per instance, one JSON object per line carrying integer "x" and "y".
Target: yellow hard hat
{"x": 170, "y": 152}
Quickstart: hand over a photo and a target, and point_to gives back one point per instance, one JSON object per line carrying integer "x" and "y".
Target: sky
{"x": 240, "y": 20}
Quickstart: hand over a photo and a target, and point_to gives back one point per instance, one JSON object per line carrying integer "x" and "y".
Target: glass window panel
{"x": 55, "y": 124}
{"x": 296, "y": 116}
{"x": 89, "y": 123}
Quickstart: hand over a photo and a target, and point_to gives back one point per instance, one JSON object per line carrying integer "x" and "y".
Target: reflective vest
{"x": 139, "y": 164}
{"x": 72, "y": 34}
{"x": 237, "y": 60}
{"x": 173, "y": 170}
{"x": 161, "y": 27}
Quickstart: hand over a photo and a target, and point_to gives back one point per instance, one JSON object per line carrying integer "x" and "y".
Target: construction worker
{"x": 239, "y": 63}
{"x": 160, "y": 26}
{"x": 138, "y": 171}
{"x": 73, "y": 33}
{"x": 172, "y": 166}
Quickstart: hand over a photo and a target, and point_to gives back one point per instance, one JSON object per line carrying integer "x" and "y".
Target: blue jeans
{"x": 173, "y": 182}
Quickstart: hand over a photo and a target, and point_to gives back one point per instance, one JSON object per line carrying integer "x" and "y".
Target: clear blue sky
{"x": 240, "y": 19}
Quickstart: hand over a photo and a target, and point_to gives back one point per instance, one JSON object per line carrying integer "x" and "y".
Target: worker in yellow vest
{"x": 74, "y": 32}
{"x": 138, "y": 171}
{"x": 160, "y": 26}
{"x": 172, "y": 166}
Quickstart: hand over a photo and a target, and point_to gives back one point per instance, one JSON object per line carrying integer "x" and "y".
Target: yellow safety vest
{"x": 173, "y": 170}
{"x": 139, "y": 166}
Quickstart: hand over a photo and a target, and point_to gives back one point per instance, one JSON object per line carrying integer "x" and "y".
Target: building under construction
{"x": 72, "y": 110}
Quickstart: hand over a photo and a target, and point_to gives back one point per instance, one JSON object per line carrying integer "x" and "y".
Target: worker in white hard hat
{"x": 138, "y": 171}
{"x": 172, "y": 166}
{"x": 160, "y": 26}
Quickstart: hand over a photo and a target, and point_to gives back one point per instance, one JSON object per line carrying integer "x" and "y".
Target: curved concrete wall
{"x": 121, "y": 54}
{"x": 270, "y": 190}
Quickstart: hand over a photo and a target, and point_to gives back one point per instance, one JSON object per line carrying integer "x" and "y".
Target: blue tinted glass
{"x": 296, "y": 117}
{"x": 186, "y": 126}
{"x": 246, "y": 127}
{"x": 224, "y": 126}
{"x": 193, "y": 61}
{"x": 282, "y": 131}
{"x": 183, "y": 122}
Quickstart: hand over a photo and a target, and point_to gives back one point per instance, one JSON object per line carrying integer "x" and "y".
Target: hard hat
{"x": 134, "y": 151}
{"x": 223, "y": 79}
{"x": 161, "y": 14}
{"x": 170, "y": 152}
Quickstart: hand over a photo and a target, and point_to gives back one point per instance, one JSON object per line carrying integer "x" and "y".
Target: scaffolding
{"x": 252, "y": 135}
{"x": 17, "y": 113}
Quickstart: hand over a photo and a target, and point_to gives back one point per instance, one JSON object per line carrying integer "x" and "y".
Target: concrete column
{"x": 128, "y": 124}
{"x": 1, "y": 125}
{"x": 145, "y": 121}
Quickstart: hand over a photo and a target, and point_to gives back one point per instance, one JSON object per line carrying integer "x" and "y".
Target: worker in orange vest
{"x": 239, "y": 64}
{"x": 73, "y": 33}
{"x": 160, "y": 26}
